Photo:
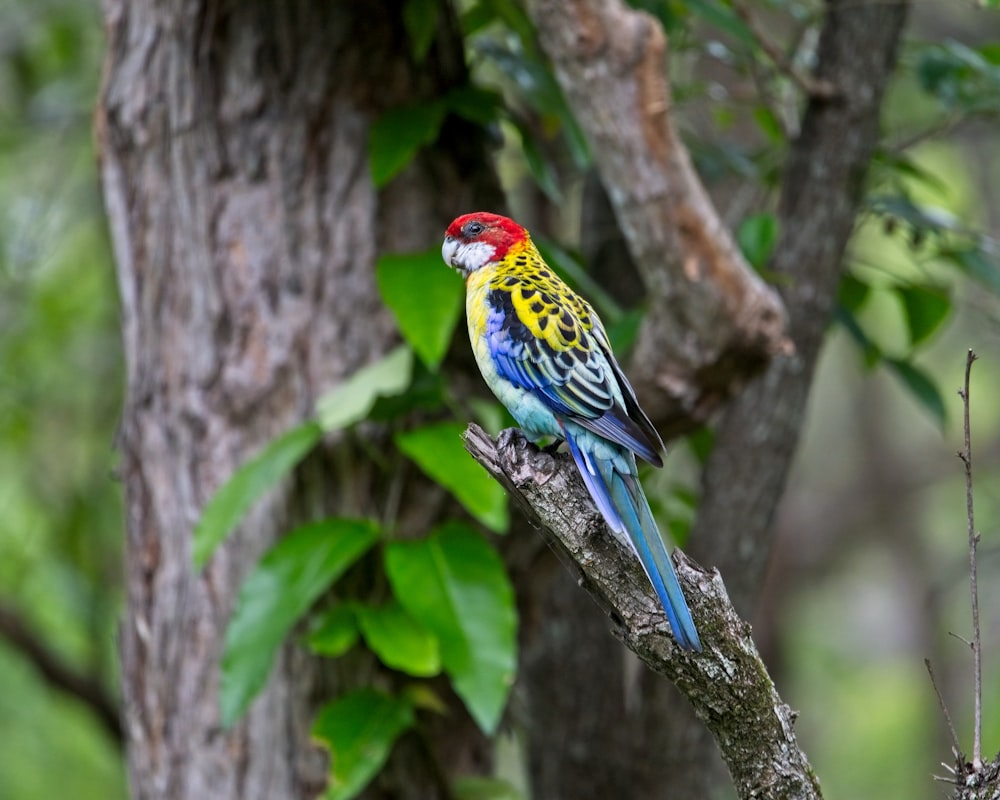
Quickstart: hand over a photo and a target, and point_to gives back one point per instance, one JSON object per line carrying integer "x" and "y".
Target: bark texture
{"x": 233, "y": 141}
{"x": 727, "y": 684}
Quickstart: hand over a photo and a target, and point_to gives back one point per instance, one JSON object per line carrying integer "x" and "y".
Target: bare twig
{"x": 818, "y": 88}
{"x": 956, "y": 748}
{"x": 976, "y": 644}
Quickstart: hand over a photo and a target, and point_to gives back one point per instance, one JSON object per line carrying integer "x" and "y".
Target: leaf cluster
{"x": 448, "y": 608}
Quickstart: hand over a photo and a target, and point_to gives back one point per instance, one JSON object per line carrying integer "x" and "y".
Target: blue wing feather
{"x": 584, "y": 383}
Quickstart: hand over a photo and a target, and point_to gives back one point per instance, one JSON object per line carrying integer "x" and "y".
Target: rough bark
{"x": 727, "y": 685}
{"x": 245, "y": 228}
{"x": 714, "y": 322}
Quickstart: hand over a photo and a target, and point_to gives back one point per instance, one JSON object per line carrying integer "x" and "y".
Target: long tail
{"x": 622, "y": 503}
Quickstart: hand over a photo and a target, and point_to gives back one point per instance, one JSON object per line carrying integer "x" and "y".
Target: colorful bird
{"x": 545, "y": 355}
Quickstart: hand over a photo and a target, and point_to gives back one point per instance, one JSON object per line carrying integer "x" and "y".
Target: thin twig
{"x": 976, "y": 644}
{"x": 813, "y": 87}
{"x": 955, "y": 746}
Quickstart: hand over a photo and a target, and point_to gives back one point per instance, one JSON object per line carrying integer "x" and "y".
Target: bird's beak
{"x": 449, "y": 249}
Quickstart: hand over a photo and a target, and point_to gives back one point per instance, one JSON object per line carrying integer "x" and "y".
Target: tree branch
{"x": 714, "y": 322}
{"x": 821, "y": 191}
{"x": 727, "y": 684}
{"x": 60, "y": 675}
{"x": 810, "y": 86}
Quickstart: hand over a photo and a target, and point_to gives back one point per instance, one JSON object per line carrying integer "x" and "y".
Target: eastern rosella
{"x": 544, "y": 353}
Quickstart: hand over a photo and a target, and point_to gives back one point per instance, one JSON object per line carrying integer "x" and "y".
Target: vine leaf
{"x": 399, "y": 640}
{"x": 232, "y": 501}
{"x": 352, "y": 400}
{"x": 397, "y": 136}
{"x": 360, "y": 729}
{"x": 455, "y": 584}
{"x": 438, "y": 450}
{"x": 284, "y": 584}
{"x": 426, "y": 299}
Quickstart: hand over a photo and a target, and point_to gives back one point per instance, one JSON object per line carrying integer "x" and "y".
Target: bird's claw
{"x": 553, "y": 447}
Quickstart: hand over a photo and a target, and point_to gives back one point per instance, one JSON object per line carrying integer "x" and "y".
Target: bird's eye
{"x": 473, "y": 229}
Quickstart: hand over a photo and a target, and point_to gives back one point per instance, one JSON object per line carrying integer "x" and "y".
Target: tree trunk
{"x": 233, "y": 142}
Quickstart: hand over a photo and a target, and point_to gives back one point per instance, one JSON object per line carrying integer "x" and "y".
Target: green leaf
{"x": 397, "y": 136}
{"x": 769, "y": 124}
{"x": 922, "y": 218}
{"x": 925, "y": 307}
{"x": 540, "y": 167}
{"x": 702, "y": 442}
{"x": 420, "y": 18}
{"x": 624, "y": 332}
{"x": 724, "y": 18}
{"x": 287, "y": 581}
{"x": 757, "y": 236}
{"x": 962, "y": 78}
{"x": 335, "y": 631}
{"x": 476, "y": 787}
{"x": 476, "y": 17}
{"x": 974, "y": 262}
{"x": 520, "y": 61}
{"x": 428, "y": 391}
{"x": 921, "y": 387}
{"x": 399, "y": 640}
{"x": 360, "y": 729}
{"x": 426, "y": 298}
{"x": 474, "y": 103}
{"x": 439, "y": 452}
{"x": 907, "y": 167}
{"x": 871, "y": 353}
{"x": 455, "y": 584}
{"x": 515, "y": 17}
{"x": 229, "y": 504}
{"x": 354, "y": 398}
{"x": 852, "y": 293}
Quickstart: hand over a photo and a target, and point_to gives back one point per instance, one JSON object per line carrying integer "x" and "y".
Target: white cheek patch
{"x": 470, "y": 257}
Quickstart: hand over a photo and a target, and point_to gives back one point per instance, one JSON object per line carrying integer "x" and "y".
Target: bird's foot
{"x": 553, "y": 447}
{"x": 506, "y": 437}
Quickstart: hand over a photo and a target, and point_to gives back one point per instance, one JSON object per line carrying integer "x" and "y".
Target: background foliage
{"x": 60, "y": 393}
{"x": 869, "y": 574}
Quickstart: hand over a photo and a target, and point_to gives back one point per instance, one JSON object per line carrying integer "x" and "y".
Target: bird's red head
{"x": 475, "y": 240}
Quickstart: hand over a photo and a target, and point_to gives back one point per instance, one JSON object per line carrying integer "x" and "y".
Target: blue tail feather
{"x": 622, "y": 503}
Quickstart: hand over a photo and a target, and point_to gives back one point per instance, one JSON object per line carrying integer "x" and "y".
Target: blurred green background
{"x": 60, "y": 396}
{"x": 869, "y": 575}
